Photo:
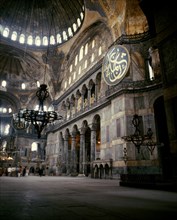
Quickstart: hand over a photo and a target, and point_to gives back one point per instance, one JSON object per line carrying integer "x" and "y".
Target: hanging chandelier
{"x": 136, "y": 138}
{"x": 38, "y": 118}
{"x": 139, "y": 139}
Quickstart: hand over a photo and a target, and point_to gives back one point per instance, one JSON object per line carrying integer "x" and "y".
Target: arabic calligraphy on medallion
{"x": 115, "y": 64}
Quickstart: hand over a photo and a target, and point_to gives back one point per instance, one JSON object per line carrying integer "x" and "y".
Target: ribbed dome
{"x": 33, "y": 21}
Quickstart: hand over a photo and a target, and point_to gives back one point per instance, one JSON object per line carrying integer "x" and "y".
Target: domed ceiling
{"x": 27, "y": 29}
{"x": 39, "y": 22}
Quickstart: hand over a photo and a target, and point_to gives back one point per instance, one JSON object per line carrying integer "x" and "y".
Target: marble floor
{"x": 81, "y": 198}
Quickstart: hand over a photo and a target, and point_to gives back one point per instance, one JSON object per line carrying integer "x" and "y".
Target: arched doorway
{"x": 162, "y": 137}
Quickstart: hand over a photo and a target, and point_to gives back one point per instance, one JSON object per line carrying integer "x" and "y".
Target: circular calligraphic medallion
{"x": 115, "y": 64}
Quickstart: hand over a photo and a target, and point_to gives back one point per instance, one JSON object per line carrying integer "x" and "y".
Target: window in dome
{"x": 6, "y": 32}
{"x": 23, "y": 86}
{"x": 65, "y": 37}
{"x": 82, "y": 15}
{"x": 65, "y": 84}
{"x": 22, "y": 39}
{"x": 4, "y": 83}
{"x": 45, "y": 41}
{"x": 52, "y": 40}
{"x": 37, "y": 41}
{"x": 10, "y": 110}
{"x": 30, "y": 40}
{"x": 78, "y": 22}
{"x": 59, "y": 39}
{"x": 4, "y": 110}
{"x": 14, "y": 36}
{"x": 74, "y": 27}
{"x": 70, "y": 33}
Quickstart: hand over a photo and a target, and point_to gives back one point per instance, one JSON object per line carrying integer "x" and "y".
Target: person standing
{"x": 24, "y": 171}
{"x": 40, "y": 171}
{"x": 9, "y": 170}
{"x": 19, "y": 171}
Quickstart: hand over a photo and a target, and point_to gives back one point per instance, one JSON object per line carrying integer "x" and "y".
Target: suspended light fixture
{"x": 138, "y": 138}
{"x": 149, "y": 143}
{"x": 38, "y": 118}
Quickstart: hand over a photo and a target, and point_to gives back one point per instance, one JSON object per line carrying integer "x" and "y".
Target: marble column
{"x": 93, "y": 147}
{"x": 82, "y": 153}
{"x": 76, "y": 105}
{"x": 66, "y": 153}
{"x": 61, "y": 154}
{"x": 96, "y": 92}
{"x": 73, "y": 153}
{"x": 89, "y": 97}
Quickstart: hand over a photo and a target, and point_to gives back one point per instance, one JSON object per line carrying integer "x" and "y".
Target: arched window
{"x": 78, "y": 22}
{"x": 70, "y": 33}
{"x": 82, "y": 15}
{"x": 70, "y": 80}
{"x": 14, "y": 36}
{"x": 65, "y": 37}
{"x": 74, "y": 75}
{"x": 45, "y": 41}
{"x": 151, "y": 73}
{"x": 4, "y": 110}
{"x": 92, "y": 57}
{"x": 100, "y": 51}
{"x": 34, "y": 146}
{"x": 93, "y": 44}
{"x": 6, "y": 32}
{"x": 37, "y": 41}
{"x": 30, "y": 40}
{"x": 59, "y": 40}
{"x": 38, "y": 84}
{"x": 85, "y": 65}
{"x": 22, "y": 38}
{"x": 74, "y": 27}
{"x": 71, "y": 68}
{"x": 7, "y": 128}
{"x": 81, "y": 53}
{"x": 4, "y": 83}
{"x": 52, "y": 40}
{"x": 76, "y": 60}
{"x": 23, "y": 86}
{"x": 86, "y": 48}
{"x": 79, "y": 70}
